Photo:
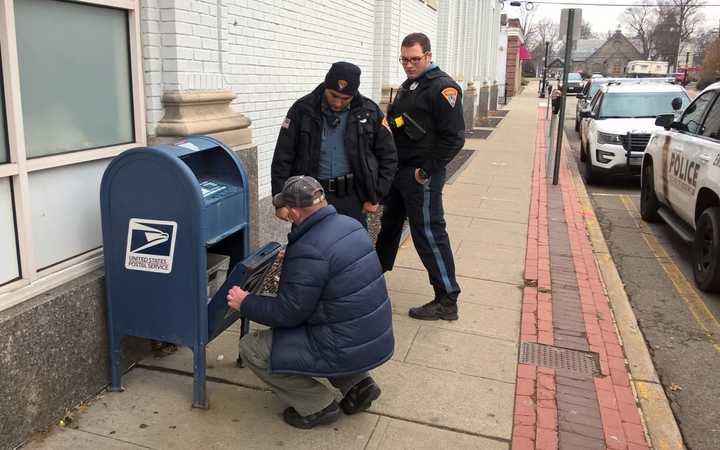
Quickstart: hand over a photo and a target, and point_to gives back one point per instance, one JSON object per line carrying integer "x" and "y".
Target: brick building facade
{"x": 513, "y": 65}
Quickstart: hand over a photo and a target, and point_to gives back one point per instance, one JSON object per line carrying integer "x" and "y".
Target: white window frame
{"x": 33, "y": 281}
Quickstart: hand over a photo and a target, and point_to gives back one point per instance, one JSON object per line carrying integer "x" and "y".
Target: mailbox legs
{"x": 115, "y": 360}
{"x": 199, "y": 392}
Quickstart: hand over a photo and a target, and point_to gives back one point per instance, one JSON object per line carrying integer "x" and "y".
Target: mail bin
{"x": 163, "y": 209}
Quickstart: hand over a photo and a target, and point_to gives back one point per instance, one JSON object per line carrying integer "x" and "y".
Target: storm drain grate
{"x": 560, "y": 358}
{"x": 491, "y": 122}
{"x": 477, "y": 134}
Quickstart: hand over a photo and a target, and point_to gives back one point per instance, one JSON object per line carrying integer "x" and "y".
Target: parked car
{"x": 680, "y": 181}
{"x": 593, "y": 85}
{"x": 619, "y": 124}
{"x": 682, "y": 77}
{"x": 590, "y": 88}
{"x": 574, "y": 83}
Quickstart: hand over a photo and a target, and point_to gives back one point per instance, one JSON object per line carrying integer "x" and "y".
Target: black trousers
{"x": 422, "y": 205}
{"x": 349, "y": 205}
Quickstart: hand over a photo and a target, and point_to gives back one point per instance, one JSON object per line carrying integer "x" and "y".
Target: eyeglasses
{"x": 414, "y": 61}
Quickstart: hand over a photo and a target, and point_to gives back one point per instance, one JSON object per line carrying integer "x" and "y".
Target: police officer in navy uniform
{"x": 342, "y": 139}
{"x": 427, "y": 122}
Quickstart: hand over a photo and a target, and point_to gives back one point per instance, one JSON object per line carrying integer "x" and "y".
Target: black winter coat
{"x": 332, "y": 315}
{"x": 368, "y": 143}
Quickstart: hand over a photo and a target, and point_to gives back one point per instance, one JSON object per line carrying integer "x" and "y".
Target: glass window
{"x": 711, "y": 127}
{"x": 74, "y": 75}
{"x": 641, "y": 104}
{"x": 65, "y": 211}
{"x": 693, "y": 115}
{"x": 8, "y": 244}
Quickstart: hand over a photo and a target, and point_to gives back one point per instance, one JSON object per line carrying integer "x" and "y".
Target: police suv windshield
{"x": 617, "y": 105}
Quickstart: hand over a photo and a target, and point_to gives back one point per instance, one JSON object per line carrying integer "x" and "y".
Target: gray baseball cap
{"x": 299, "y": 192}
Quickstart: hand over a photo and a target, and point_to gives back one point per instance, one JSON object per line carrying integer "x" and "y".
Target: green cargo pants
{"x": 304, "y": 393}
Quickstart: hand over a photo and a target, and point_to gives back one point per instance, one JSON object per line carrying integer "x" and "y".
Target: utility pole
{"x": 561, "y": 118}
{"x": 544, "y": 78}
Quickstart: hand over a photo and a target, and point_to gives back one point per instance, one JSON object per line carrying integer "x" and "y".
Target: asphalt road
{"x": 655, "y": 266}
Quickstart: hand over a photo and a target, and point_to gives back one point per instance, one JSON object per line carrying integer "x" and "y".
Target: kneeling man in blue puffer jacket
{"x": 331, "y": 317}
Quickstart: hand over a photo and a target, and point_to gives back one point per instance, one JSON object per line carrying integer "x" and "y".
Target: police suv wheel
{"x": 706, "y": 250}
{"x": 649, "y": 204}
{"x": 583, "y": 156}
{"x": 590, "y": 172}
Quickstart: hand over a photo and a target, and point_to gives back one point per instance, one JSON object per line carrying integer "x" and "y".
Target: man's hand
{"x": 369, "y": 207}
{"x": 235, "y": 297}
{"x": 282, "y": 214}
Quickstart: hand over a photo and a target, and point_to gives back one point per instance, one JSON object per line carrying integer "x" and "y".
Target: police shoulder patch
{"x": 286, "y": 123}
{"x": 386, "y": 124}
{"x": 450, "y": 94}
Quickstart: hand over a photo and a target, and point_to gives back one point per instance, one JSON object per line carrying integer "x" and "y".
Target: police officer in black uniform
{"x": 427, "y": 122}
{"x": 342, "y": 139}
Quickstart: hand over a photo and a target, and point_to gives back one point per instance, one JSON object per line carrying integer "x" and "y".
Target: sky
{"x": 604, "y": 18}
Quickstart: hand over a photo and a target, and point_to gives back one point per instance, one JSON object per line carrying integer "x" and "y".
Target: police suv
{"x": 617, "y": 126}
{"x": 680, "y": 181}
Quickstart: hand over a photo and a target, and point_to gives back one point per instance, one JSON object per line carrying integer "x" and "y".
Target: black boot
{"x": 328, "y": 415}
{"x": 444, "y": 308}
{"x": 360, "y": 397}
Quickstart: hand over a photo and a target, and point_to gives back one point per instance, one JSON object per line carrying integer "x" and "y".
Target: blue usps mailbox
{"x": 162, "y": 208}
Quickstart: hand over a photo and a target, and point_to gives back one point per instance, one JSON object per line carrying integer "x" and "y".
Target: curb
{"x": 659, "y": 420}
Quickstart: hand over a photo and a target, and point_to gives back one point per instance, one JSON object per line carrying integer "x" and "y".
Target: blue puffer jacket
{"x": 332, "y": 315}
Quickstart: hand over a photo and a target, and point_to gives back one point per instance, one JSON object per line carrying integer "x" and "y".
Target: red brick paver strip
{"x": 565, "y": 305}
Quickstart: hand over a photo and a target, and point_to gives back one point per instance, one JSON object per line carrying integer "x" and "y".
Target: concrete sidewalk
{"x": 449, "y": 384}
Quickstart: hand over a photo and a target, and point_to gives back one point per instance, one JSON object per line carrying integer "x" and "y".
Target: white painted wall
{"x": 272, "y": 52}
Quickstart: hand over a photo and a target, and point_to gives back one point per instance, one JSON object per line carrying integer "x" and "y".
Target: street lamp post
{"x": 544, "y": 78}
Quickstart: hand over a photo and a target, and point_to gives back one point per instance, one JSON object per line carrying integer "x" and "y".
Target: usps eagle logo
{"x": 342, "y": 84}
{"x": 150, "y": 245}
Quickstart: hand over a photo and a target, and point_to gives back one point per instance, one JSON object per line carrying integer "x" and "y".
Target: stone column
{"x": 469, "y": 101}
{"x": 493, "y": 96}
{"x": 484, "y": 96}
{"x": 208, "y": 112}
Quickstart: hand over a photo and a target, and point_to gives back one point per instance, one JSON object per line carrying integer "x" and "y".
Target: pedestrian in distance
{"x": 342, "y": 139}
{"x": 331, "y": 317}
{"x": 427, "y": 122}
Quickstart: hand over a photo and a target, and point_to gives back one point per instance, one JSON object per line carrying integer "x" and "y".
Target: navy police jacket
{"x": 434, "y": 102}
{"x": 332, "y": 314}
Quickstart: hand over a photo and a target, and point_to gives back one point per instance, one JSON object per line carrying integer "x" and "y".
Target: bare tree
{"x": 546, "y": 30}
{"x": 640, "y": 22}
{"x": 711, "y": 64}
{"x": 586, "y": 31}
{"x": 688, "y": 16}
{"x": 703, "y": 41}
{"x": 667, "y": 36}
{"x": 527, "y": 22}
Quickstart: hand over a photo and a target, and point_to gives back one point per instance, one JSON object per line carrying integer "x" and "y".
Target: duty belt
{"x": 340, "y": 186}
